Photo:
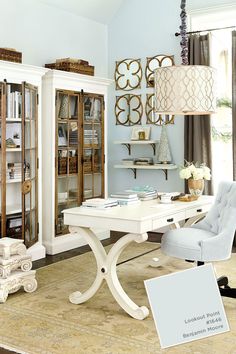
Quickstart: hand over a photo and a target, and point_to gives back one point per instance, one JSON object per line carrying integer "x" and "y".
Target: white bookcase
{"x": 59, "y": 88}
{"x": 21, "y": 157}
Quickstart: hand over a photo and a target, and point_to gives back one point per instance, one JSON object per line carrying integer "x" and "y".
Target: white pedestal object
{"x": 10, "y": 246}
{"x": 13, "y": 256}
{"x": 15, "y": 281}
{"x": 13, "y": 263}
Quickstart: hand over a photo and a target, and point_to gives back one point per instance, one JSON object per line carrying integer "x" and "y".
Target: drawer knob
{"x": 170, "y": 220}
{"x": 199, "y": 210}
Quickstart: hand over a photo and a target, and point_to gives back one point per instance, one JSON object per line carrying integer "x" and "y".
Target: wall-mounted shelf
{"x": 163, "y": 167}
{"x": 128, "y": 144}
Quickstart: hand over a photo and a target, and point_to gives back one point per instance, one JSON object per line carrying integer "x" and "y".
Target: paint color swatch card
{"x": 186, "y": 305}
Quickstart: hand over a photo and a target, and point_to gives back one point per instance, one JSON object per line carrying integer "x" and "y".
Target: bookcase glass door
{"x": 30, "y": 164}
{"x": 93, "y": 146}
{"x": 17, "y": 157}
{"x": 68, "y": 155}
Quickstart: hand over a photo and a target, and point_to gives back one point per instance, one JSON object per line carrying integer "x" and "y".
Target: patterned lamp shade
{"x": 185, "y": 90}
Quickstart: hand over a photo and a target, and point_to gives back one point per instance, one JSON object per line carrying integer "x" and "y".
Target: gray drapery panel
{"x": 234, "y": 101}
{"x": 197, "y": 129}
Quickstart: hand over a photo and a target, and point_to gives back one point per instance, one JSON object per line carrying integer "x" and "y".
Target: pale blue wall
{"x": 141, "y": 29}
{"x": 43, "y": 33}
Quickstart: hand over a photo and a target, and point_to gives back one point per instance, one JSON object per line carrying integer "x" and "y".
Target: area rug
{"x": 46, "y": 322}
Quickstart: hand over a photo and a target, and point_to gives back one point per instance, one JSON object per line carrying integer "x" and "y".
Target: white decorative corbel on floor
{"x": 12, "y": 257}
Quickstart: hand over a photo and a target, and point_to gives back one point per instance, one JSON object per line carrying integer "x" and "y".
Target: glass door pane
{"x": 68, "y": 156}
{"x": 30, "y": 168}
{"x": 12, "y": 163}
{"x": 93, "y": 152}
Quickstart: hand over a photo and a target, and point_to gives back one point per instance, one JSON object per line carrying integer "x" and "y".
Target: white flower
{"x": 185, "y": 173}
{"x": 191, "y": 171}
{"x": 192, "y": 168}
{"x": 206, "y": 173}
{"x": 198, "y": 173}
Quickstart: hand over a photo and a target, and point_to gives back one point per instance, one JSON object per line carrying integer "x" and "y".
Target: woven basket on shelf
{"x": 10, "y": 54}
{"x": 72, "y": 66}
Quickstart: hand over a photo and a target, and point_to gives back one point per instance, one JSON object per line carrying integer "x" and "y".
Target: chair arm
{"x": 219, "y": 247}
{"x": 215, "y": 248}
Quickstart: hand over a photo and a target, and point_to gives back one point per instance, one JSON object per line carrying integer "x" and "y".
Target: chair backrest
{"x": 221, "y": 215}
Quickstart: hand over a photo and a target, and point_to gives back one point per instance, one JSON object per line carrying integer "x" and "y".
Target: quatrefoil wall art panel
{"x": 128, "y": 110}
{"x": 154, "y": 63}
{"x": 154, "y": 118}
{"x": 128, "y": 74}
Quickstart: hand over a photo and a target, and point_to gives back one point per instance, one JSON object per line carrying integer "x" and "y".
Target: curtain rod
{"x": 207, "y": 30}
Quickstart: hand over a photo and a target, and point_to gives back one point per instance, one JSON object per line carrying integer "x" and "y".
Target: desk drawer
{"x": 168, "y": 220}
{"x": 197, "y": 210}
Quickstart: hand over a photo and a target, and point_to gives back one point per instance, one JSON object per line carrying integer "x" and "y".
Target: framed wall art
{"x": 154, "y": 118}
{"x": 128, "y": 110}
{"x": 128, "y": 74}
{"x": 155, "y": 62}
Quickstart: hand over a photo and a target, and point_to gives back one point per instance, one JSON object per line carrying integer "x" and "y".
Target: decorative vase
{"x": 164, "y": 154}
{"x": 195, "y": 187}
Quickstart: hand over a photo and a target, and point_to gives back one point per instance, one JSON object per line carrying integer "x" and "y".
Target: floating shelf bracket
{"x": 165, "y": 173}
{"x": 154, "y": 148}
{"x": 128, "y": 147}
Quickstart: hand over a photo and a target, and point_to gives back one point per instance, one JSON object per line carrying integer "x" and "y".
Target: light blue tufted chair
{"x": 211, "y": 239}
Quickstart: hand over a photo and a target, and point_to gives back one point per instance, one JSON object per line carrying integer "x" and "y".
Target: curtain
{"x": 197, "y": 129}
{"x": 234, "y": 101}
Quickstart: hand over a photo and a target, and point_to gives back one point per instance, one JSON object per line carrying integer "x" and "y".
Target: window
{"x": 221, "y": 59}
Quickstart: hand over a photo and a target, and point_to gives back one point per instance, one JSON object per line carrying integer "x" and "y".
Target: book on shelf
{"x": 14, "y": 103}
{"x": 128, "y": 161}
{"x": 124, "y": 195}
{"x": 144, "y": 193}
{"x": 128, "y": 201}
{"x": 100, "y": 203}
{"x": 143, "y": 161}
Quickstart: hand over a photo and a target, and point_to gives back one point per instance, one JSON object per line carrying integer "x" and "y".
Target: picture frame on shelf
{"x": 141, "y": 133}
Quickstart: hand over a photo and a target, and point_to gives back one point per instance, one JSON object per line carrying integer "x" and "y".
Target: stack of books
{"x": 128, "y": 162}
{"x": 90, "y": 137}
{"x": 143, "y": 161}
{"x": 144, "y": 193}
{"x": 100, "y": 203}
{"x": 126, "y": 198}
{"x": 14, "y": 102}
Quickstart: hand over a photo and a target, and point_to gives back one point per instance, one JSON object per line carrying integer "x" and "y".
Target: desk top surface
{"x": 143, "y": 211}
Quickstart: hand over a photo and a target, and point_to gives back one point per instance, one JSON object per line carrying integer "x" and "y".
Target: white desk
{"x": 136, "y": 220}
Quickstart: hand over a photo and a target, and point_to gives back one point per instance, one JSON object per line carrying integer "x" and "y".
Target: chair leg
{"x": 199, "y": 263}
{"x": 223, "y": 281}
{"x": 225, "y": 289}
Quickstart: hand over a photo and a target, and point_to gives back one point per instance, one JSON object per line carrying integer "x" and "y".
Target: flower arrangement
{"x": 194, "y": 171}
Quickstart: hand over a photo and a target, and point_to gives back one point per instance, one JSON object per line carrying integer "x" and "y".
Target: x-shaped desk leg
{"x": 106, "y": 270}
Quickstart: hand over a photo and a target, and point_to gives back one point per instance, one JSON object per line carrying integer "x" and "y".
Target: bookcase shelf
{"x": 74, "y": 129}
{"x": 20, "y": 122}
{"x": 129, "y": 143}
